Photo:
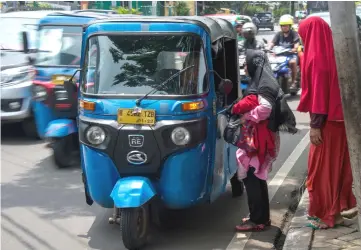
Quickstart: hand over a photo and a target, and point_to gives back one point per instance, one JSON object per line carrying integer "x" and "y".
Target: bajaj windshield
{"x": 59, "y": 46}
{"x": 138, "y": 64}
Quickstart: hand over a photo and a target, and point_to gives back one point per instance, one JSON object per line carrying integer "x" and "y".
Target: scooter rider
{"x": 239, "y": 22}
{"x": 256, "y": 21}
{"x": 249, "y": 32}
{"x": 288, "y": 38}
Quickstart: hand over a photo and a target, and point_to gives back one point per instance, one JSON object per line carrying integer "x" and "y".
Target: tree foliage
{"x": 181, "y": 9}
{"x": 122, "y": 10}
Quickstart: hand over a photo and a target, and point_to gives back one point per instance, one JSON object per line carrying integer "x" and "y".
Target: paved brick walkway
{"x": 300, "y": 237}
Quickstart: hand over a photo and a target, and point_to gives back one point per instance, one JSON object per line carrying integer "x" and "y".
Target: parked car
{"x": 326, "y": 16}
{"x": 16, "y": 72}
{"x": 266, "y": 20}
{"x": 230, "y": 18}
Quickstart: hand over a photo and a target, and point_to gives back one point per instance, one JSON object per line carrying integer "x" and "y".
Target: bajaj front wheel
{"x": 135, "y": 227}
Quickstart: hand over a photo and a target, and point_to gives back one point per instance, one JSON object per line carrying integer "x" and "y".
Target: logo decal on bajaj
{"x": 136, "y": 157}
{"x": 136, "y": 140}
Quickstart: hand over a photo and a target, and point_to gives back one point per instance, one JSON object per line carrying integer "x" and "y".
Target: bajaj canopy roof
{"x": 68, "y": 17}
{"x": 217, "y": 28}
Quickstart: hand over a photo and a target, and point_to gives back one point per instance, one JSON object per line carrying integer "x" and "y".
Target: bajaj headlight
{"x": 180, "y": 136}
{"x": 95, "y": 135}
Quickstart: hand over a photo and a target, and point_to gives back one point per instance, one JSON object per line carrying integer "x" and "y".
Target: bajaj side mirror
{"x": 24, "y": 36}
{"x": 70, "y": 85}
{"x": 265, "y": 41}
{"x": 226, "y": 86}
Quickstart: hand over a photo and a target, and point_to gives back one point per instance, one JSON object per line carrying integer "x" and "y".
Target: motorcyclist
{"x": 288, "y": 38}
{"x": 249, "y": 32}
{"x": 239, "y": 22}
{"x": 255, "y": 20}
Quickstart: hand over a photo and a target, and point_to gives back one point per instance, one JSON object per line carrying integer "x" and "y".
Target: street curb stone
{"x": 299, "y": 236}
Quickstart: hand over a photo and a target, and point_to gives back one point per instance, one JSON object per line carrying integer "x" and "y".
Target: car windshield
{"x": 11, "y": 29}
{"x": 59, "y": 46}
{"x": 138, "y": 64}
{"x": 261, "y": 15}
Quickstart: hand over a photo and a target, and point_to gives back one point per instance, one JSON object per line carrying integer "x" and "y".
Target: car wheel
{"x": 29, "y": 128}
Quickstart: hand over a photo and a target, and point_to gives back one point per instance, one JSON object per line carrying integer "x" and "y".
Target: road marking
{"x": 239, "y": 240}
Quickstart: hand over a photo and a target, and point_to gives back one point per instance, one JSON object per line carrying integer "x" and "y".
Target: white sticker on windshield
{"x": 51, "y": 40}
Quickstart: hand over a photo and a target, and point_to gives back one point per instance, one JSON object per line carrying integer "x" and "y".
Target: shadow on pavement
{"x": 13, "y": 134}
{"x": 192, "y": 229}
{"x": 59, "y": 192}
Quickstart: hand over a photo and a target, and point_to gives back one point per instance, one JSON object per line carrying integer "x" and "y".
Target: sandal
{"x": 249, "y": 226}
{"x": 244, "y": 220}
{"x": 317, "y": 225}
{"x": 312, "y": 218}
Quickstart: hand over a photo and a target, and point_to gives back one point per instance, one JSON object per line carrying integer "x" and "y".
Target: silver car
{"x": 16, "y": 72}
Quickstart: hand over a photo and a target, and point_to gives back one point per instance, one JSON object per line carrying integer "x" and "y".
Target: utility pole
{"x": 292, "y": 3}
{"x": 347, "y": 52}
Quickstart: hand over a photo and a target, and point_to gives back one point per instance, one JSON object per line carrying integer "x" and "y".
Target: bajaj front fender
{"x": 132, "y": 192}
{"x": 61, "y": 128}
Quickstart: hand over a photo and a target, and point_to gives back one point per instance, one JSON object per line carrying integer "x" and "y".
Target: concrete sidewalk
{"x": 301, "y": 237}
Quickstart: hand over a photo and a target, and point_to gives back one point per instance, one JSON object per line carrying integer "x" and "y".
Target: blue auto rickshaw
{"x": 57, "y": 58}
{"x": 152, "y": 106}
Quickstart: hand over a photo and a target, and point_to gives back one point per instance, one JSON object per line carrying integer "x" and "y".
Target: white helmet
{"x": 249, "y": 30}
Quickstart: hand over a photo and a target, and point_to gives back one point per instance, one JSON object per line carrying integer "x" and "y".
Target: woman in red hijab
{"x": 329, "y": 181}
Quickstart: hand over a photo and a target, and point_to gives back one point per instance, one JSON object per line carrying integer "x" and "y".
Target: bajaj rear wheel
{"x": 64, "y": 151}
{"x": 135, "y": 227}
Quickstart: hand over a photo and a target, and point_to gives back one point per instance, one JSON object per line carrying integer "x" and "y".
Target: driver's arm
{"x": 296, "y": 41}
{"x": 274, "y": 41}
{"x": 295, "y": 47}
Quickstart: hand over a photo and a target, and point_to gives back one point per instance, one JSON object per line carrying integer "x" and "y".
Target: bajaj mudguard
{"x": 132, "y": 192}
{"x": 61, "y": 128}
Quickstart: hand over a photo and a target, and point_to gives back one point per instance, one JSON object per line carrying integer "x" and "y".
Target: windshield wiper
{"x": 138, "y": 101}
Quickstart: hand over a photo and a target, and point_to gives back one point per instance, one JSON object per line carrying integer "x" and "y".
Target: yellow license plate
{"x": 144, "y": 117}
{"x": 59, "y": 79}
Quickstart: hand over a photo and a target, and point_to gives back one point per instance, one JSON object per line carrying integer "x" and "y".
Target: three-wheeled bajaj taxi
{"x": 60, "y": 35}
{"x": 151, "y": 127}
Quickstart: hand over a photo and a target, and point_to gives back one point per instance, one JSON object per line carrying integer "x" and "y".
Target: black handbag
{"x": 232, "y": 132}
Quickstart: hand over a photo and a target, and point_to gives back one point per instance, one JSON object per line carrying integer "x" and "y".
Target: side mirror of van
{"x": 226, "y": 86}
{"x": 24, "y": 36}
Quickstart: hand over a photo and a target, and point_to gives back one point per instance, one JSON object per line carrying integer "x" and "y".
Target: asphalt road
{"x": 44, "y": 207}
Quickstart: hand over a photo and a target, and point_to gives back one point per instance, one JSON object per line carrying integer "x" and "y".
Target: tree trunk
{"x": 347, "y": 52}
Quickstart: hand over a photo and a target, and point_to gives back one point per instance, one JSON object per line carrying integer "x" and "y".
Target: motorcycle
{"x": 279, "y": 59}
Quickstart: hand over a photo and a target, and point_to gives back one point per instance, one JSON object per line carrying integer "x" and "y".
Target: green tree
{"x": 182, "y": 9}
{"x": 122, "y": 10}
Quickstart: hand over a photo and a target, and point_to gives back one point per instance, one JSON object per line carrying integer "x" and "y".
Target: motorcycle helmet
{"x": 286, "y": 20}
{"x": 249, "y": 30}
{"x": 240, "y": 21}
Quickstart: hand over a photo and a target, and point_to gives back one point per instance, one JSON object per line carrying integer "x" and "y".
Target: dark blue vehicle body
{"x": 178, "y": 176}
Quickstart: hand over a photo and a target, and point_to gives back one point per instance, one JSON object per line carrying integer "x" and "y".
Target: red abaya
{"x": 329, "y": 171}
